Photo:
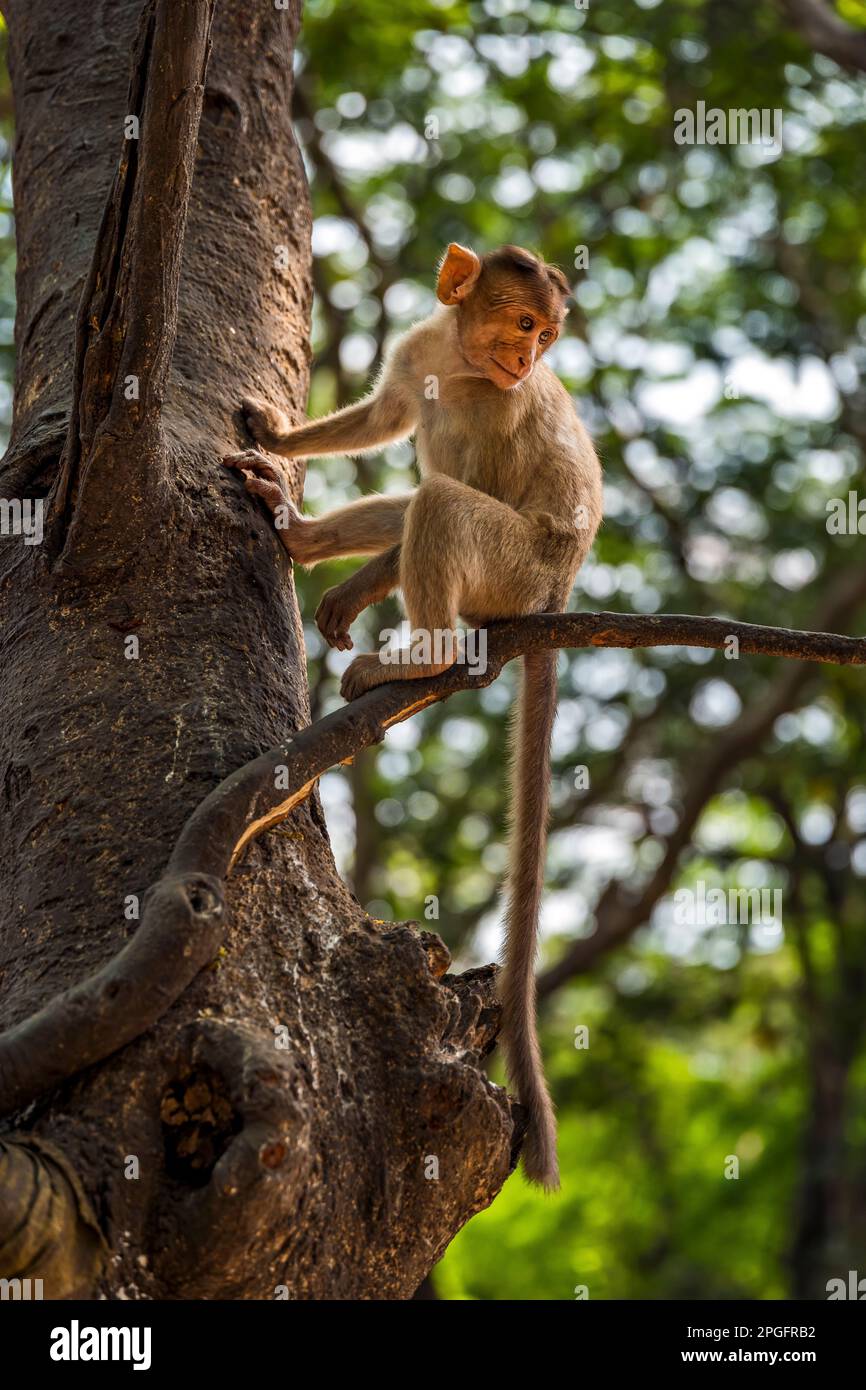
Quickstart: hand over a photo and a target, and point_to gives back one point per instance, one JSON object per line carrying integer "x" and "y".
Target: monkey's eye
{"x": 546, "y": 336}
{"x": 525, "y": 323}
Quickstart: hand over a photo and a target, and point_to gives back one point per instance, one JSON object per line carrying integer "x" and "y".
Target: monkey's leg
{"x": 341, "y": 605}
{"x": 462, "y": 551}
{"x": 365, "y": 527}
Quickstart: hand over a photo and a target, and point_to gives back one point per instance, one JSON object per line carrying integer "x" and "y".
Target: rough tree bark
{"x": 240, "y": 1086}
{"x": 257, "y": 1166}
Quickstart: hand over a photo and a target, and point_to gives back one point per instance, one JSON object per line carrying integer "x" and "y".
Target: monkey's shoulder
{"x": 426, "y": 360}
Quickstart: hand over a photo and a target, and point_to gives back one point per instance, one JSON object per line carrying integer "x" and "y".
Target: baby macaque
{"x": 507, "y": 508}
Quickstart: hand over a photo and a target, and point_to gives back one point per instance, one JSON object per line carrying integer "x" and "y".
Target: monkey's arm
{"x": 381, "y": 419}
{"x": 389, "y": 413}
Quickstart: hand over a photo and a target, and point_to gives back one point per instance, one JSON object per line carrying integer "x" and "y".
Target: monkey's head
{"x": 511, "y": 309}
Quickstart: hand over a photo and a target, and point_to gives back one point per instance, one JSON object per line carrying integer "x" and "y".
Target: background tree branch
{"x": 620, "y": 912}
{"x": 826, "y": 33}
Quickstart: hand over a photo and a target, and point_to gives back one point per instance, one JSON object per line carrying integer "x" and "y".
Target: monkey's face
{"x": 510, "y": 308}
{"x": 505, "y": 342}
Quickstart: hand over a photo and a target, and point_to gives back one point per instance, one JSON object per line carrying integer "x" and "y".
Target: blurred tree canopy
{"x": 716, "y": 350}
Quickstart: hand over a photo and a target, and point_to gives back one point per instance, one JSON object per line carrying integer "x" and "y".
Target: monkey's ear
{"x": 458, "y": 273}
{"x": 556, "y": 276}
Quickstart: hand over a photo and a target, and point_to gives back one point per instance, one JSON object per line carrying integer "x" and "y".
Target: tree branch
{"x": 127, "y": 318}
{"x": 826, "y": 33}
{"x": 184, "y": 920}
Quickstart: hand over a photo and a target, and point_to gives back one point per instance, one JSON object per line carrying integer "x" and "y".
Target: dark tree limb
{"x": 127, "y": 318}
{"x": 183, "y": 919}
{"x": 180, "y": 931}
{"x": 826, "y": 33}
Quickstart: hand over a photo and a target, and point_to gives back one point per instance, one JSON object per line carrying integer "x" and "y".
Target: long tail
{"x": 530, "y": 798}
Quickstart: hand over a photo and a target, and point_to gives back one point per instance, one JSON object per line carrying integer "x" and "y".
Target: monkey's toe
{"x": 247, "y": 458}
{"x": 365, "y": 672}
{"x": 271, "y": 493}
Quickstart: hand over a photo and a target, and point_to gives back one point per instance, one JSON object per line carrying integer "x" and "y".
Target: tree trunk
{"x": 309, "y": 1115}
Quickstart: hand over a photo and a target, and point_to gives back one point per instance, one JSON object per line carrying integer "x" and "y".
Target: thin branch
{"x": 184, "y": 918}
{"x": 127, "y": 318}
{"x": 826, "y": 33}
{"x": 830, "y": 337}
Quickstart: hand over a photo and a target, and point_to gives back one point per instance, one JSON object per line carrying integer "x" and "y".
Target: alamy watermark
{"x": 20, "y": 1289}
{"x": 846, "y": 516}
{"x": 77, "y": 1343}
{"x": 737, "y": 126}
{"x": 720, "y": 907}
{"x": 854, "y": 1288}
{"x": 22, "y": 516}
{"x": 439, "y": 646}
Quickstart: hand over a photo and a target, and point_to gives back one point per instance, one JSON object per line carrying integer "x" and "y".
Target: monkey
{"x": 508, "y": 505}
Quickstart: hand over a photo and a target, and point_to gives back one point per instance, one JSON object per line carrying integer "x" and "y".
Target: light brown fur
{"x": 506, "y": 511}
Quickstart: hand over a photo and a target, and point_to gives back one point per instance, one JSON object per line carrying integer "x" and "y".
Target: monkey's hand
{"x": 265, "y": 423}
{"x": 268, "y": 481}
{"x": 335, "y": 614}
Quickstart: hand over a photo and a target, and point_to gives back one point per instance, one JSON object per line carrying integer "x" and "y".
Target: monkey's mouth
{"x": 514, "y": 377}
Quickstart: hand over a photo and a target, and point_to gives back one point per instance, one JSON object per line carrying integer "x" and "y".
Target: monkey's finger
{"x": 264, "y": 422}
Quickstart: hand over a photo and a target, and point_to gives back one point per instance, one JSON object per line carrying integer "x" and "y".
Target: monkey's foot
{"x": 334, "y": 616}
{"x": 364, "y": 673}
{"x": 268, "y": 481}
{"x": 264, "y": 422}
